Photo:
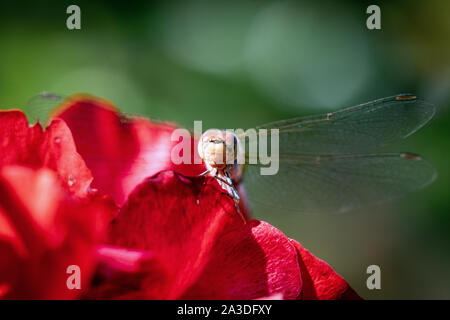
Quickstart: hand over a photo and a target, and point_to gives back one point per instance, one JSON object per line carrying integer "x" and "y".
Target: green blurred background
{"x": 237, "y": 64}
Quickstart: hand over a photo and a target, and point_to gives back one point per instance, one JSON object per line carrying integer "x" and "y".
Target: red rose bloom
{"x": 175, "y": 236}
{"x": 48, "y": 219}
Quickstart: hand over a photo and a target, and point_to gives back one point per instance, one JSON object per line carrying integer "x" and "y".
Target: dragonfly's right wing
{"x": 357, "y": 129}
{"x": 326, "y": 162}
{"x": 337, "y": 183}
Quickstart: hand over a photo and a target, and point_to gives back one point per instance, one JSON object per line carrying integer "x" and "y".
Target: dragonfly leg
{"x": 204, "y": 173}
{"x": 231, "y": 192}
{"x": 239, "y": 211}
{"x": 212, "y": 174}
{"x": 236, "y": 205}
{"x": 230, "y": 182}
{"x": 235, "y": 196}
{"x": 223, "y": 180}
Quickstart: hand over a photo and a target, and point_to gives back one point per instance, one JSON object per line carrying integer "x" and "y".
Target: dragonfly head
{"x": 219, "y": 148}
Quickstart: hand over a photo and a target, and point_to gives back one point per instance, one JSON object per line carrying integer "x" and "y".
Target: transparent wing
{"x": 337, "y": 183}
{"x": 40, "y": 106}
{"x": 356, "y": 129}
{"x": 130, "y": 156}
{"x": 43, "y": 105}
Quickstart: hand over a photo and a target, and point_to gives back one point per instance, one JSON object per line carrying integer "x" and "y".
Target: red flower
{"x": 192, "y": 245}
{"x": 176, "y": 236}
{"x": 48, "y": 221}
{"x": 120, "y": 151}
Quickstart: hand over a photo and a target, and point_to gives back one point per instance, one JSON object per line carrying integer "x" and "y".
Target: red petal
{"x": 120, "y": 151}
{"x": 59, "y": 153}
{"x": 320, "y": 281}
{"x": 249, "y": 263}
{"x": 30, "y": 211}
{"x": 54, "y": 230}
{"x": 196, "y": 233}
{"x": 53, "y": 148}
{"x": 275, "y": 296}
{"x": 9, "y": 267}
{"x": 127, "y": 274}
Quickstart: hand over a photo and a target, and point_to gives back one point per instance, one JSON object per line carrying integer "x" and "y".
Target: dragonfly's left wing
{"x": 337, "y": 183}
{"x": 40, "y": 106}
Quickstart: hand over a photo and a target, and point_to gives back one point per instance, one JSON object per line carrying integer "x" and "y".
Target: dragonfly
{"x": 327, "y": 162}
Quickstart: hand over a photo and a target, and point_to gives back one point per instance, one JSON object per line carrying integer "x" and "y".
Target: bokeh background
{"x": 237, "y": 64}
